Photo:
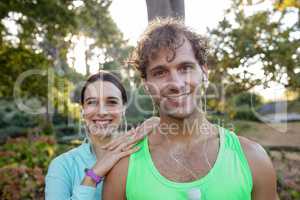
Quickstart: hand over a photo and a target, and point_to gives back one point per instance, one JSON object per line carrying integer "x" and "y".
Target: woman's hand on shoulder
{"x": 135, "y": 135}
{"x": 123, "y": 146}
{"x": 110, "y": 157}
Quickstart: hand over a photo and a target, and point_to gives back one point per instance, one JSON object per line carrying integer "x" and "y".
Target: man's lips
{"x": 178, "y": 99}
{"x": 177, "y": 96}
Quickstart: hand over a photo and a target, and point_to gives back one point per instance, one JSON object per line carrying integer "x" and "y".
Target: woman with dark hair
{"x": 79, "y": 173}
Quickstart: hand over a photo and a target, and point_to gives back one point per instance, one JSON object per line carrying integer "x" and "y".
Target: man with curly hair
{"x": 186, "y": 157}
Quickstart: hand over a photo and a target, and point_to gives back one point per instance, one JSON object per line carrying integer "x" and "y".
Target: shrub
{"x": 66, "y": 130}
{"x": 244, "y": 113}
{"x": 30, "y": 152}
{"x": 23, "y": 164}
{"x": 10, "y": 115}
{"x": 247, "y": 99}
{"x": 14, "y": 122}
{"x": 21, "y": 183}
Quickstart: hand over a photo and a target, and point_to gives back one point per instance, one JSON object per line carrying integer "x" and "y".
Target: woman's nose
{"x": 102, "y": 109}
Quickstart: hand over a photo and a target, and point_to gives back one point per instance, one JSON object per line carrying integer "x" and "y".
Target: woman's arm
{"x": 58, "y": 183}
{"x": 119, "y": 148}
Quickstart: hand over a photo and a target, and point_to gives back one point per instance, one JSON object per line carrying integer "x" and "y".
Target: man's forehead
{"x": 168, "y": 55}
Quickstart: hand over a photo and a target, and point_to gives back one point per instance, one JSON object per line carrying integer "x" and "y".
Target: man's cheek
{"x": 154, "y": 90}
{"x": 195, "y": 80}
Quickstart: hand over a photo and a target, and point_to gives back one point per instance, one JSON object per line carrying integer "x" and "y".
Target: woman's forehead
{"x": 102, "y": 89}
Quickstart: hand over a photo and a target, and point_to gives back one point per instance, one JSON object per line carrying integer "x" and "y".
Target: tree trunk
{"x": 87, "y": 67}
{"x": 165, "y": 8}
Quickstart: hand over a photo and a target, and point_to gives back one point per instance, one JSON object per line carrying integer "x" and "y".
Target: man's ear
{"x": 205, "y": 69}
{"x": 145, "y": 84}
{"x": 146, "y": 88}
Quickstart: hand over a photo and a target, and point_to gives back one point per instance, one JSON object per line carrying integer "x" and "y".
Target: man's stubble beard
{"x": 194, "y": 113}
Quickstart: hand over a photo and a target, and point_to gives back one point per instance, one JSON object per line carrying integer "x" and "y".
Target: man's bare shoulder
{"x": 121, "y": 167}
{"x": 254, "y": 152}
{"x": 115, "y": 181}
{"x": 263, "y": 173}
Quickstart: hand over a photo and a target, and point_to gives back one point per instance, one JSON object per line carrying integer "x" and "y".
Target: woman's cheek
{"x": 116, "y": 113}
{"x": 89, "y": 112}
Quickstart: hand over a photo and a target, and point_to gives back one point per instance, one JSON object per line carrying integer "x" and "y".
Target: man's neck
{"x": 183, "y": 129}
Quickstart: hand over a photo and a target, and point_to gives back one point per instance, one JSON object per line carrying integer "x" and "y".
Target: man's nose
{"x": 176, "y": 82}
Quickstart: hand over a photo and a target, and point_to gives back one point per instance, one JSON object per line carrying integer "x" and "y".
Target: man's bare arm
{"x": 263, "y": 173}
{"x": 114, "y": 187}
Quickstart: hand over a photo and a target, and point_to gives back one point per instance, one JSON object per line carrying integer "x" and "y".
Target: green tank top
{"x": 230, "y": 177}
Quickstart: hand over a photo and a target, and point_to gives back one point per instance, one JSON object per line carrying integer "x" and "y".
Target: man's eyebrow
{"x": 187, "y": 62}
{"x": 157, "y": 67}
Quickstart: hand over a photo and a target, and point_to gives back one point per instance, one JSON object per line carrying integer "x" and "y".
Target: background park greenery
{"x": 44, "y": 37}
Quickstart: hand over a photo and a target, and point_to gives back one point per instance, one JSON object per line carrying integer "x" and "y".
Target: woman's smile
{"x": 102, "y": 122}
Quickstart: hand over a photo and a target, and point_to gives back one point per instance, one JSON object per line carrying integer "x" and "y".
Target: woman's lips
{"x": 102, "y": 122}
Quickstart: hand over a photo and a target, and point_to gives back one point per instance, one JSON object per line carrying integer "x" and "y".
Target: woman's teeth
{"x": 102, "y": 122}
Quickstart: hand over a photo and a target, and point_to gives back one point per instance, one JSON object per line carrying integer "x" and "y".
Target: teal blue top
{"x": 66, "y": 172}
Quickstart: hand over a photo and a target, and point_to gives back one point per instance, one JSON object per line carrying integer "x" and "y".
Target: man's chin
{"x": 179, "y": 114}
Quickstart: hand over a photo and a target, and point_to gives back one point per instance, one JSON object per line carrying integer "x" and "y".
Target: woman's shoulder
{"x": 66, "y": 159}
{"x": 81, "y": 150}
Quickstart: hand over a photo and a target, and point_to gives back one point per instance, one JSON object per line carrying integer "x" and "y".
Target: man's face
{"x": 174, "y": 85}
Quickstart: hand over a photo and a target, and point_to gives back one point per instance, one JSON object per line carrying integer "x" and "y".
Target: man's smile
{"x": 177, "y": 96}
{"x": 177, "y": 99}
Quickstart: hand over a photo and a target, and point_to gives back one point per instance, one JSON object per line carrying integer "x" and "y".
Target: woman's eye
{"x": 112, "y": 102}
{"x": 91, "y": 102}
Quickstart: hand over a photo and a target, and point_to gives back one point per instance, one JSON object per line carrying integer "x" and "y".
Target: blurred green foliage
{"x": 255, "y": 48}
{"x": 23, "y": 165}
{"x": 44, "y": 35}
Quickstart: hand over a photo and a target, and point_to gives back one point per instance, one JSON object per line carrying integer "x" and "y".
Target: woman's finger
{"x": 148, "y": 125}
{"x": 121, "y": 147}
{"x": 139, "y": 135}
{"x": 130, "y": 132}
{"x": 116, "y": 142}
{"x": 135, "y": 139}
{"x": 111, "y": 143}
{"x": 125, "y": 140}
{"x": 128, "y": 152}
{"x": 129, "y": 147}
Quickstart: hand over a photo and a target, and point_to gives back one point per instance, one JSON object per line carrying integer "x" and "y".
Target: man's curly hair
{"x": 167, "y": 33}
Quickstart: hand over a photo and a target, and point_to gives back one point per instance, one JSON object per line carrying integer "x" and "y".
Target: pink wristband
{"x": 94, "y": 177}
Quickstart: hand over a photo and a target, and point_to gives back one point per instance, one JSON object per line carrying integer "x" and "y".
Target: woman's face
{"x": 102, "y": 108}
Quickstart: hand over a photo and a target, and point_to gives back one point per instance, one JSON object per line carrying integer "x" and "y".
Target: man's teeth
{"x": 178, "y": 96}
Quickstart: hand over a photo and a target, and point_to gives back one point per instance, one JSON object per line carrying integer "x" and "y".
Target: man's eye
{"x": 186, "y": 68}
{"x": 159, "y": 73}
